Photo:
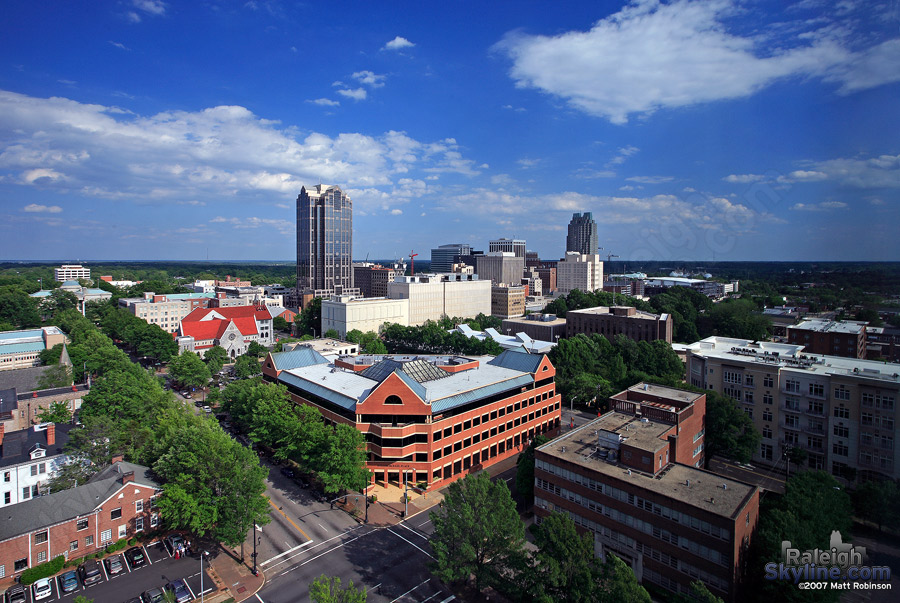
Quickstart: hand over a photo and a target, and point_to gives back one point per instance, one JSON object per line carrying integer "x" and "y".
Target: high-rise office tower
{"x": 582, "y": 237}
{"x": 516, "y": 246}
{"x": 324, "y": 240}
{"x": 443, "y": 258}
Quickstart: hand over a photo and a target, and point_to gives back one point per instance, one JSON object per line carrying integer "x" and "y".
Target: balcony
{"x": 814, "y": 430}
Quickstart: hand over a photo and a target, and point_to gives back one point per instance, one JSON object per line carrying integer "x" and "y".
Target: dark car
{"x": 154, "y": 595}
{"x": 136, "y": 557}
{"x": 16, "y": 594}
{"x": 90, "y": 572}
{"x": 68, "y": 581}
{"x": 288, "y": 472}
{"x": 179, "y": 589}
{"x": 174, "y": 542}
{"x": 115, "y": 565}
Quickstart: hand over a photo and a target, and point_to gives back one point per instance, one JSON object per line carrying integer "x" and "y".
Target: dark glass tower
{"x": 582, "y": 235}
{"x": 324, "y": 240}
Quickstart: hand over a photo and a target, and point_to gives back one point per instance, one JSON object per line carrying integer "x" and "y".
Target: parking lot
{"x": 160, "y": 569}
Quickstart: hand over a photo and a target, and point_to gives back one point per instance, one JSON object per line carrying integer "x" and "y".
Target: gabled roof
{"x": 17, "y": 445}
{"x": 45, "y": 511}
{"x": 298, "y": 357}
{"x": 210, "y": 323}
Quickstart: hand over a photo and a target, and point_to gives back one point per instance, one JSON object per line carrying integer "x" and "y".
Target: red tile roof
{"x": 203, "y": 323}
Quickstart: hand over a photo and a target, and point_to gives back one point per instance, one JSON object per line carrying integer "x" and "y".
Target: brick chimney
{"x": 117, "y": 458}
{"x": 127, "y": 477}
{"x": 51, "y": 434}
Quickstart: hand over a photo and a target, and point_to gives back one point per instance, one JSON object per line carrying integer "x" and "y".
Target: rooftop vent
{"x": 687, "y": 483}
{"x": 724, "y": 486}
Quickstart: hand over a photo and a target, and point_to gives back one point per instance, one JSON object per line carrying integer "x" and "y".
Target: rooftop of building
{"x": 679, "y": 396}
{"x": 700, "y": 489}
{"x": 542, "y": 319}
{"x": 168, "y": 297}
{"x": 68, "y": 504}
{"x": 790, "y": 356}
{"x": 821, "y": 325}
{"x": 28, "y": 340}
{"x": 16, "y": 446}
{"x": 519, "y": 340}
{"x": 624, "y": 311}
{"x": 643, "y": 434}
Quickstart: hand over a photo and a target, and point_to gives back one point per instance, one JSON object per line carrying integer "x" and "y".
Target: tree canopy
{"x": 188, "y": 370}
{"x": 325, "y": 589}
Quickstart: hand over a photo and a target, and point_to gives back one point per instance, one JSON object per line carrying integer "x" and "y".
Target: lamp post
{"x": 202, "y": 555}
{"x": 255, "y": 538}
{"x": 406, "y": 494}
{"x": 365, "y": 492}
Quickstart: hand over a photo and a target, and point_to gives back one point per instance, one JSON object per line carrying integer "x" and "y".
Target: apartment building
{"x": 166, "y": 311}
{"x": 71, "y": 272}
{"x": 631, "y": 479}
{"x": 507, "y": 301}
{"x": 579, "y": 271}
{"x": 372, "y": 279}
{"x": 344, "y": 313}
{"x": 432, "y": 296}
{"x": 427, "y": 419}
{"x": 830, "y": 337}
{"x": 610, "y": 321}
{"x": 841, "y": 411}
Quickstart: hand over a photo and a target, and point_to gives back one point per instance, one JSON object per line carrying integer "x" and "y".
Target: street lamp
{"x": 202, "y": 555}
{"x": 365, "y": 492}
{"x": 406, "y": 495}
{"x": 255, "y": 539}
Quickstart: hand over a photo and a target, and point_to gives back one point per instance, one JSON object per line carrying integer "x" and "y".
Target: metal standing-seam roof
{"x": 299, "y": 357}
{"x": 517, "y": 361}
{"x": 21, "y": 348}
{"x": 480, "y": 393}
{"x": 342, "y": 400}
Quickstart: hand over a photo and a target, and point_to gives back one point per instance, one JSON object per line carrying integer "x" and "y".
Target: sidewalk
{"x": 233, "y": 579}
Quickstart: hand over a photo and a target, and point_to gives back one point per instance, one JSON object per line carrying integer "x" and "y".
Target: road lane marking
{"x": 343, "y": 544}
{"x": 423, "y": 523}
{"x": 419, "y": 534}
{"x": 260, "y": 598}
{"x": 407, "y": 541}
{"x": 288, "y": 552}
{"x": 431, "y": 597}
{"x": 291, "y": 521}
{"x": 412, "y": 589}
{"x": 448, "y": 599}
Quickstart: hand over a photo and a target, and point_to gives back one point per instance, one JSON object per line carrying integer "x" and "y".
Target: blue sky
{"x": 721, "y": 129}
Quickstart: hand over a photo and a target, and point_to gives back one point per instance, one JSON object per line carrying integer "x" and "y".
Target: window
{"x": 839, "y": 449}
{"x": 731, "y": 377}
{"x": 40, "y": 537}
{"x": 81, "y": 524}
{"x": 20, "y": 564}
{"x": 792, "y": 422}
{"x": 34, "y": 470}
{"x": 123, "y": 531}
{"x": 815, "y": 407}
{"x": 115, "y": 513}
{"x": 154, "y": 519}
{"x": 749, "y": 412}
{"x": 139, "y": 506}
{"x": 767, "y": 432}
{"x": 7, "y": 498}
{"x": 767, "y": 415}
{"x": 6, "y": 476}
{"x": 765, "y": 451}
{"x": 792, "y": 386}
{"x": 841, "y": 412}
{"x": 748, "y": 380}
{"x": 817, "y": 389}
{"x": 767, "y": 398}
{"x": 139, "y": 524}
{"x": 73, "y": 546}
{"x": 88, "y": 541}
{"x": 840, "y": 393}
{"x": 105, "y": 536}
{"x": 26, "y": 493}
{"x": 866, "y": 418}
{"x": 748, "y": 397}
{"x": 768, "y": 381}
{"x": 841, "y": 431}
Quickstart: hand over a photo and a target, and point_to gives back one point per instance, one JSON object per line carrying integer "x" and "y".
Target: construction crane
{"x": 412, "y": 256}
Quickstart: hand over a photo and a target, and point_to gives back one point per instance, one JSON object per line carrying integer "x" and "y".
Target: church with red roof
{"x": 231, "y": 328}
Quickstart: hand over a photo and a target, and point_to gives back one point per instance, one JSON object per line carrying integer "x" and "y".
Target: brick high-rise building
{"x": 830, "y": 337}
{"x": 582, "y": 237}
{"x": 324, "y": 240}
{"x": 619, "y": 320}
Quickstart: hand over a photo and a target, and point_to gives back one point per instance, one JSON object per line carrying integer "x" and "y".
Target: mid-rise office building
{"x": 548, "y": 279}
{"x": 656, "y": 285}
{"x": 433, "y": 296}
{"x": 427, "y": 419}
{"x": 619, "y": 320}
{"x": 513, "y": 246}
{"x": 579, "y": 271}
{"x": 500, "y": 268}
{"x": 71, "y": 272}
{"x": 841, "y": 411}
{"x": 324, "y": 241}
{"x": 372, "y": 279}
{"x": 22, "y": 349}
{"x": 346, "y": 313}
{"x": 443, "y": 258}
{"x": 582, "y": 237}
{"x": 631, "y": 479}
{"x": 546, "y": 327}
{"x": 830, "y": 337}
{"x": 507, "y": 301}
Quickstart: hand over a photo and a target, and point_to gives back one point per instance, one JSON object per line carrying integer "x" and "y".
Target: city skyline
{"x": 692, "y": 131}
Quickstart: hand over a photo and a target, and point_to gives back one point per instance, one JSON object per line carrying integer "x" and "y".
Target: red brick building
{"x": 630, "y": 478}
{"x": 830, "y": 337}
{"x": 620, "y": 320}
{"x": 428, "y": 419}
{"x": 114, "y": 504}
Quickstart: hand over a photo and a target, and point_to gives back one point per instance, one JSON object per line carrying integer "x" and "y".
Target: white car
{"x": 42, "y": 589}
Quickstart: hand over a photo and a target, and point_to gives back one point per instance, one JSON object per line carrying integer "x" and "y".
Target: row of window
{"x": 500, "y": 412}
{"x": 503, "y": 427}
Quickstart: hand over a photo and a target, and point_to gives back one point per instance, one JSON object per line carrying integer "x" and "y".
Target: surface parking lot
{"x": 160, "y": 569}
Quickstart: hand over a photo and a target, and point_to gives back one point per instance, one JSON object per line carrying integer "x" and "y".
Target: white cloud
{"x": 876, "y": 172}
{"x": 650, "y": 179}
{"x": 516, "y": 109}
{"x": 527, "y": 162}
{"x": 824, "y": 206}
{"x": 42, "y": 209}
{"x": 41, "y": 175}
{"x": 396, "y": 212}
{"x": 369, "y": 79}
{"x": 743, "y": 178}
{"x": 119, "y": 45}
{"x": 805, "y": 176}
{"x": 876, "y": 201}
{"x": 355, "y": 94}
{"x": 153, "y": 7}
{"x": 325, "y": 102}
{"x": 651, "y": 55}
{"x": 398, "y": 43}
{"x": 622, "y": 155}
{"x": 590, "y": 173}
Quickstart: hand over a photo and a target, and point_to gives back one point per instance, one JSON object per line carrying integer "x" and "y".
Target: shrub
{"x": 132, "y": 541}
{"x": 44, "y": 570}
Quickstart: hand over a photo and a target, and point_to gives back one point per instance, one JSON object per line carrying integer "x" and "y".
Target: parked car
{"x": 287, "y": 472}
{"x": 207, "y": 410}
{"x": 68, "y": 581}
{"x": 16, "y": 594}
{"x": 154, "y": 595}
{"x": 136, "y": 557}
{"x": 41, "y": 589}
{"x": 173, "y": 541}
{"x": 179, "y": 589}
{"x": 90, "y": 572}
{"x": 114, "y": 565}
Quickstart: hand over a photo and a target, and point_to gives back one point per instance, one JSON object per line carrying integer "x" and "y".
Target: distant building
{"x": 582, "y": 237}
{"x": 656, "y": 285}
{"x": 514, "y": 246}
{"x": 579, "y": 271}
{"x": 548, "y": 279}
{"x": 29, "y": 458}
{"x": 830, "y": 337}
{"x": 120, "y": 284}
{"x": 332, "y": 349}
{"x": 82, "y": 294}
{"x": 167, "y": 311}
{"x": 433, "y": 296}
{"x": 619, "y": 320}
{"x": 232, "y": 282}
{"x": 500, "y": 267}
{"x": 372, "y": 279}
{"x": 203, "y": 286}
{"x": 629, "y": 287}
{"x": 427, "y": 419}
{"x": 71, "y": 272}
{"x": 231, "y": 328}
{"x": 546, "y": 327}
{"x": 115, "y": 505}
{"x": 631, "y": 480}
{"x": 519, "y": 342}
{"x": 443, "y": 258}
{"x": 21, "y": 349}
{"x": 21, "y": 401}
{"x": 324, "y": 241}
{"x": 507, "y": 301}
{"x": 883, "y": 342}
{"x": 344, "y": 313}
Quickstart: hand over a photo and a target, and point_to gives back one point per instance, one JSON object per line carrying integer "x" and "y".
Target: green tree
{"x": 525, "y": 469}
{"x": 331, "y": 334}
{"x": 246, "y": 366}
{"x": 18, "y": 309}
{"x": 619, "y": 585}
{"x": 55, "y": 376}
{"x": 82, "y": 599}
{"x": 326, "y": 589}
{"x": 58, "y": 301}
{"x": 51, "y": 355}
{"x": 878, "y": 502}
{"x": 564, "y": 568}
{"x": 215, "y": 358}
{"x": 58, "y": 412}
{"x": 280, "y": 324}
{"x": 341, "y": 463}
{"x": 309, "y": 321}
{"x": 257, "y": 349}
{"x": 154, "y": 342}
{"x": 729, "y": 431}
{"x": 72, "y": 474}
{"x": 189, "y": 370}
{"x": 477, "y": 532}
{"x": 699, "y": 594}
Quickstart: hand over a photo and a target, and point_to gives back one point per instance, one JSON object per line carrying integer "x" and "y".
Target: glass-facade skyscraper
{"x": 324, "y": 240}
{"x": 582, "y": 235}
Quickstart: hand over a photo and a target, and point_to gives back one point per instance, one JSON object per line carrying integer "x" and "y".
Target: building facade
{"x": 22, "y": 349}
{"x": 116, "y": 503}
{"x": 71, "y": 272}
{"x": 443, "y": 258}
{"x": 166, "y": 311}
{"x": 500, "y": 267}
{"x": 547, "y": 327}
{"x": 346, "y": 313}
{"x": 579, "y": 271}
{"x": 428, "y": 419}
{"x": 372, "y": 279}
{"x": 830, "y": 337}
{"x": 582, "y": 237}
{"x": 29, "y": 458}
{"x": 619, "y": 320}
{"x": 841, "y": 411}
{"x": 432, "y": 296}
{"x": 513, "y": 246}
{"x": 507, "y": 301}
{"x": 631, "y": 479}
{"x": 324, "y": 240}
{"x": 231, "y": 328}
